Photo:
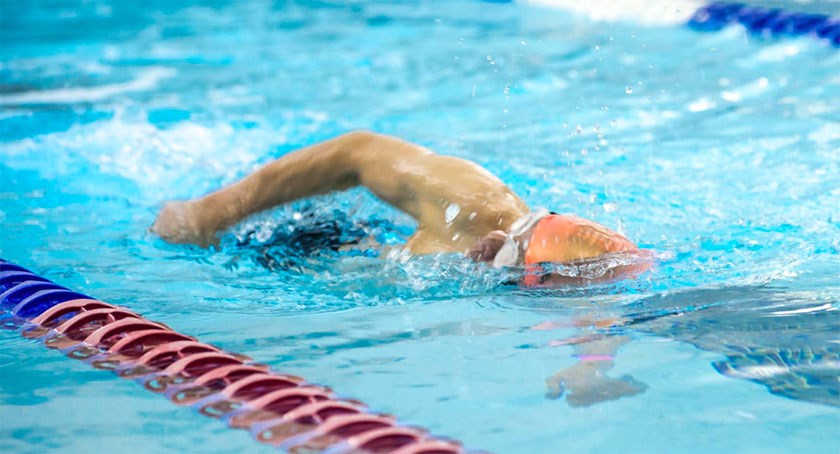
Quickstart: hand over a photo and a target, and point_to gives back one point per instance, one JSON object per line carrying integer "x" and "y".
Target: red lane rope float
{"x": 278, "y": 409}
{"x": 160, "y": 357}
{"x": 210, "y": 383}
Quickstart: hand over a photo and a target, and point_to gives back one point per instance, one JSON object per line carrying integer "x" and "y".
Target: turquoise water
{"x": 718, "y": 151}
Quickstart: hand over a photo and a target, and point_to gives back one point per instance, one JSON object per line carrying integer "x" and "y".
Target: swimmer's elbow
{"x": 353, "y": 148}
{"x": 359, "y": 138}
{"x": 378, "y": 160}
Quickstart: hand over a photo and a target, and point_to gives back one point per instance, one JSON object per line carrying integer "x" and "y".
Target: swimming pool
{"x": 719, "y": 151}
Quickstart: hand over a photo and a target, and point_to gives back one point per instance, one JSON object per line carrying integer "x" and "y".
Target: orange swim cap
{"x": 563, "y": 238}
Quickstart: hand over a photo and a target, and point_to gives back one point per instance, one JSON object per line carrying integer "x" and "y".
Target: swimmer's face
{"x": 565, "y": 240}
{"x": 488, "y": 247}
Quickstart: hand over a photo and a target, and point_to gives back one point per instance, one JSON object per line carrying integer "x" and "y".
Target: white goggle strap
{"x": 508, "y": 254}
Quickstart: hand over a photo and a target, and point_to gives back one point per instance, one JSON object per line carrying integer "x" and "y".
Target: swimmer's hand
{"x": 178, "y": 223}
{"x": 586, "y": 383}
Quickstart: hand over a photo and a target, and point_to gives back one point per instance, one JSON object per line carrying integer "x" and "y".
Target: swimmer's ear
{"x": 487, "y": 248}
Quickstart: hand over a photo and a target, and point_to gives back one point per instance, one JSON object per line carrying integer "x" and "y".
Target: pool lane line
{"x": 280, "y": 410}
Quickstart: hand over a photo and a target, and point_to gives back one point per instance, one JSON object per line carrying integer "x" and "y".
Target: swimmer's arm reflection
{"x": 585, "y": 382}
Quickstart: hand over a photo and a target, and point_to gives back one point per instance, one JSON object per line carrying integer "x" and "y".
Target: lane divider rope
{"x": 278, "y": 409}
{"x": 704, "y": 16}
{"x": 772, "y": 22}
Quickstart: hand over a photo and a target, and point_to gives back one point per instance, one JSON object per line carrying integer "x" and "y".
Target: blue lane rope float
{"x": 766, "y": 21}
{"x": 278, "y": 409}
{"x": 757, "y": 20}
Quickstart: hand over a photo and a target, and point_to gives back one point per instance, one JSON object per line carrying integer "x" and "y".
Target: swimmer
{"x": 459, "y": 206}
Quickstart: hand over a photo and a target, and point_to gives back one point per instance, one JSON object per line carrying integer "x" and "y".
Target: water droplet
{"x": 578, "y": 129}
{"x": 613, "y": 122}
{"x": 628, "y": 90}
{"x": 451, "y": 213}
{"x": 605, "y": 108}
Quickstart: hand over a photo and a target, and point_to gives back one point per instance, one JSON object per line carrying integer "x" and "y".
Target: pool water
{"x": 718, "y": 151}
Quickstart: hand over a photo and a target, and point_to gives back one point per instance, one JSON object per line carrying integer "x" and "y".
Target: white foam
{"x": 825, "y": 134}
{"x": 180, "y": 160}
{"x": 648, "y": 12}
{"x": 186, "y": 159}
{"x": 778, "y": 52}
{"x": 145, "y": 81}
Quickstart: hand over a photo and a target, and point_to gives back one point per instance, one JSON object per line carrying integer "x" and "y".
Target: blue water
{"x": 719, "y": 151}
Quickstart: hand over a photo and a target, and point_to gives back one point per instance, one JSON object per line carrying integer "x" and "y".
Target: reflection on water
{"x": 786, "y": 342}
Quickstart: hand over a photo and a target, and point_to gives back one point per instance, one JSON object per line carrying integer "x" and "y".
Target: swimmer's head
{"x": 542, "y": 237}
{"x": 564, "y": 238}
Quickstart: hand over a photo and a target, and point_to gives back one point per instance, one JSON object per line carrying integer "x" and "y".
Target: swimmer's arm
{"x": 398, "y": 172}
